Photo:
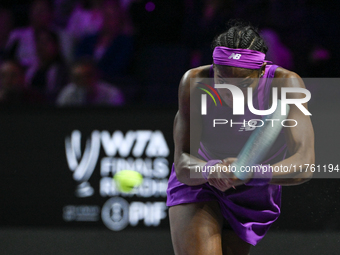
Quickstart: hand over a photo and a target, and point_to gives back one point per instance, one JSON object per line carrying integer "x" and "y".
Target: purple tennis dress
{"x": 250, "y": 210}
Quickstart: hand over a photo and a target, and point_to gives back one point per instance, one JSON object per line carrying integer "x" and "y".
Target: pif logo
{"x": 238, "y": 100}
{"x": 234, "y": 56}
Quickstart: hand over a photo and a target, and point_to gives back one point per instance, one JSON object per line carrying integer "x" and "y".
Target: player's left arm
{"x": 299, "y": 139}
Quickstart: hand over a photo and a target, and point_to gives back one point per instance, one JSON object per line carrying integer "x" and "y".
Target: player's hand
{"x": 225, "y": 179}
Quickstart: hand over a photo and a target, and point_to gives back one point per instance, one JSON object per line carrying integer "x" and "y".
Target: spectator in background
{"x": 86, "y": 88}
{"x": 6, "y": 25}
{"x": 21, "y": 41}
{"x": 49, "y": 74}
{"x": 126, "y": 3}
{"x": 62, "y": 10}
{"x": 278, "y": 53}
{"x": 85, "y": 19}
{"x": 204, "y": 19}
{"x": 319, "y": 61}
{"x": 111, "y": 47}
{"x": 12, "y": 85}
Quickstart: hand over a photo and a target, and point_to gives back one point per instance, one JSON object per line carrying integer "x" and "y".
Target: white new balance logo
{"x": 234, "y": 56}
{"x": 250, "y": 126}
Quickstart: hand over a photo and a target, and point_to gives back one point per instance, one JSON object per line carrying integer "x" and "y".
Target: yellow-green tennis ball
{"x": 126, "y": 180}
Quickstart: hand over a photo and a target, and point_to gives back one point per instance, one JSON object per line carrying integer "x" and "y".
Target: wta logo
{"x": 82, "y": 165}
{"x": 204, "y": 97}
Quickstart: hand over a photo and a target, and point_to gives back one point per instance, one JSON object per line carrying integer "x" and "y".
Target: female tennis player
{"x": 219, "y": 213}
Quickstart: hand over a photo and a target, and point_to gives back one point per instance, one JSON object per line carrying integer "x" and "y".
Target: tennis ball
{"x": 126, "y": 180}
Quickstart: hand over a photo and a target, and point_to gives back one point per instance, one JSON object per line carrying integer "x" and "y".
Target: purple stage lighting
{"x": 150, "y": 6}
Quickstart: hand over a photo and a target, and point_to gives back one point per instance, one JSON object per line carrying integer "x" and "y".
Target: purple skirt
{"x": 250, "y": 211}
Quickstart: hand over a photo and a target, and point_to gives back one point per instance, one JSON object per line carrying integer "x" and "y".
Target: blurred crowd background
{"x": 132, "y": 52}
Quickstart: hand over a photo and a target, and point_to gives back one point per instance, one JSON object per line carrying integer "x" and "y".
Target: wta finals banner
{"x": 57, "y": 167}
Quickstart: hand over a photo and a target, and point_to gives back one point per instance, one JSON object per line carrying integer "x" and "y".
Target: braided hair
{"x": 241, "y": 36}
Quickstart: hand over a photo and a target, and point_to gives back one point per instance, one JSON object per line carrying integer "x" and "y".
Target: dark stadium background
{"x": 36, "y": 183}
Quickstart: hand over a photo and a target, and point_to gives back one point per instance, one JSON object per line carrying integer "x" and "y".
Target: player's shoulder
{"x": 186, "y": 88}
{"x": 198, "y": 72}
{"x": 281, "y": 72}
{"x": 287, "y": 78}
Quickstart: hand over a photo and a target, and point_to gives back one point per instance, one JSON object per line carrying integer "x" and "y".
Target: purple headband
{"x": 244, "y": 58}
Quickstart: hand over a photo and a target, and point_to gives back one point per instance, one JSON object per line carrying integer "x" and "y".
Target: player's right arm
{"x": 184, "y": 161}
